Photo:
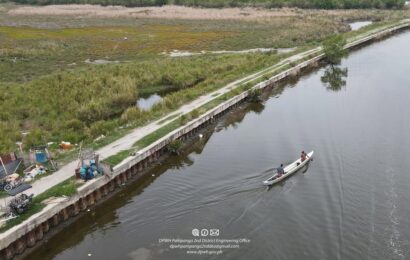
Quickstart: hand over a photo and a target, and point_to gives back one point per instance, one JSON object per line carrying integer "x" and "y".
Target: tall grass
{"x": 83, "y": 104}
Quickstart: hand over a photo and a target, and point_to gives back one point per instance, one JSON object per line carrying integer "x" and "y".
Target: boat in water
{"x": 289, "y": 170}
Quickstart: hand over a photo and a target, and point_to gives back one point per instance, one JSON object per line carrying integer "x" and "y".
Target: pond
{"x": 146, "y": 103}
{"x": 357, "y": 25}
{"x": 100, "y": 62}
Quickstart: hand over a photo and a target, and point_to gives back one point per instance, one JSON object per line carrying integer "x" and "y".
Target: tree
{"x": 333, "y": 47}
{"x": 160, "y": 2}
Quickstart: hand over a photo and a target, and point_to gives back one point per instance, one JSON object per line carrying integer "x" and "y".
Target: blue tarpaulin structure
{"x": 41, "y": 156}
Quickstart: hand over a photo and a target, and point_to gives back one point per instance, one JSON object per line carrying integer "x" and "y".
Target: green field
{"x": 52, "y": 44}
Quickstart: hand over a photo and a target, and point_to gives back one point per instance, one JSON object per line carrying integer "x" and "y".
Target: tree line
{"x": 320, "y": 4}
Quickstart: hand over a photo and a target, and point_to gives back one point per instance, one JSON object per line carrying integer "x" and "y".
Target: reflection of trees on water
{"x": 233, "y": 118}
{"x": 236, "y": 116}
{"x": 334, "y": 78}
{"x": 179, "y": 162}
{"x": 257, "y": 108}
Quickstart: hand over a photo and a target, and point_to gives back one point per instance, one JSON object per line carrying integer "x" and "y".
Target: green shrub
{"x": 131, "y": 114}
{"x": 175, "y": 146}
{"x": 255, "y": 95}
{"x": 195, "y": 113}
{"x": 35, "y": 137}
{"x": 100, "y": 128}
{"x": 10, "y": 135}
{"x": 184, "y": 119}
{"x": 74, "y": 124}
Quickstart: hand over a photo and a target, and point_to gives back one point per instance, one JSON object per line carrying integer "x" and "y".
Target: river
{"x": 352, "y": 202}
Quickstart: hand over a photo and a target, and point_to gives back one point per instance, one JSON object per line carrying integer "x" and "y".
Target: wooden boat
{"x": 289, "y": 170}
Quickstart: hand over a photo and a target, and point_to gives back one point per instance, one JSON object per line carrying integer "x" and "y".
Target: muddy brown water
{"x": 352, "y": 202}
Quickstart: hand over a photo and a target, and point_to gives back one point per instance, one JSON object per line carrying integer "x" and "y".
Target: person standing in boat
{"x": 280, "y": 170}
{"x": 303, "y": 156}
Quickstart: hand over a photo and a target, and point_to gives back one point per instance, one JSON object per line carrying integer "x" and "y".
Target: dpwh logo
{"x": 195, "y": 232}
{"x": 214, "y": 232}
{"x": 204, "y": 232}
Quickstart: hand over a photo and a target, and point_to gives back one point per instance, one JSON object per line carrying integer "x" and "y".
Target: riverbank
{"x": 134, "y": 165}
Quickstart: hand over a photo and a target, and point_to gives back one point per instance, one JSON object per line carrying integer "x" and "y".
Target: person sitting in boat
{"x": 303, "y": 156}
{"x": 280, "y": 170}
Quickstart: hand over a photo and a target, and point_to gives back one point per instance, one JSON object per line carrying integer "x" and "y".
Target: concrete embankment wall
{"x": 15, "y": 240}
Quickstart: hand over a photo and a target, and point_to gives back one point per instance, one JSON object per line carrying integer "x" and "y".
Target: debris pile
{"x": 88, "y": 166}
